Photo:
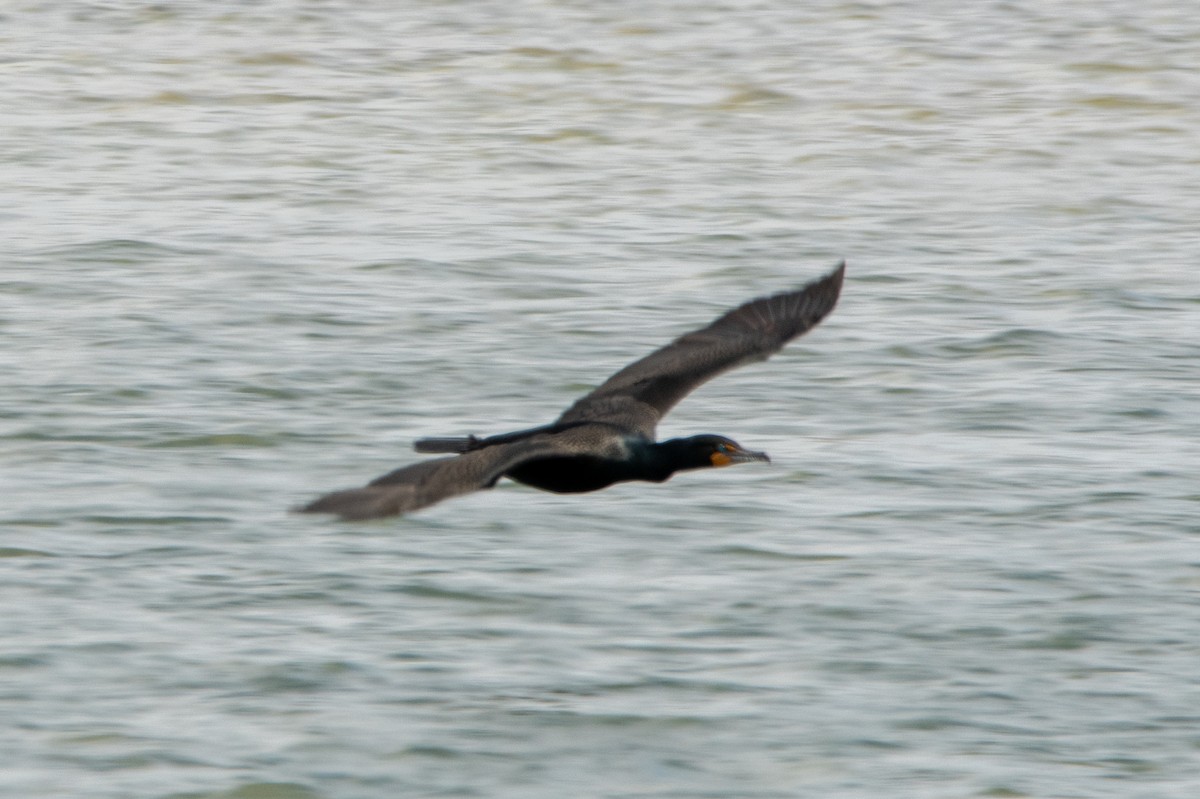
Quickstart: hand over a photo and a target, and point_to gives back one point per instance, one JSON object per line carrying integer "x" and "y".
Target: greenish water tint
{"x": 252, "y": 251}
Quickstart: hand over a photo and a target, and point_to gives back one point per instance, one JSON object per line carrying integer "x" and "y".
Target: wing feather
{"x": 427, "y": 482}
{"x": 637, "y": 396}
{"x": 424, "y": 483}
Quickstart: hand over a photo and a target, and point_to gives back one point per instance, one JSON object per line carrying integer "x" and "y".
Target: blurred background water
{"x": 252, "y": 249}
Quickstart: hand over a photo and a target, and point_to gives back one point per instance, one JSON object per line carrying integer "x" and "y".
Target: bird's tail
{"x": 455, "y": 445}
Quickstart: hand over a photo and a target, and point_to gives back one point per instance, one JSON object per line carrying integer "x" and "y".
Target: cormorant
{"x": 607, "y": 436}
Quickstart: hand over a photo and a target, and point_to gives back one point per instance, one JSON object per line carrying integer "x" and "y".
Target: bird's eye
{"x": 722, "y": 448}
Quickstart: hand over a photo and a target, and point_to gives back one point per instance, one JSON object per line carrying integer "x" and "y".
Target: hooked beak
{"x": 746, "y": 456}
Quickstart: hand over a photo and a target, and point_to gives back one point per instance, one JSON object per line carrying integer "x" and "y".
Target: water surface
{"x": 252, "y": 250}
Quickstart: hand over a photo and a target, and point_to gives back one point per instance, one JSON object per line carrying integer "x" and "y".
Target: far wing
{"x": 643, "y": 392}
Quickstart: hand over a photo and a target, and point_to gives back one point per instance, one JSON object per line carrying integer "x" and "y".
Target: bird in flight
{"x": 607, "y": 436}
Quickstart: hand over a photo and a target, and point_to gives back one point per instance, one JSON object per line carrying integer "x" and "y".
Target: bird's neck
{"x": 657, "y": 461}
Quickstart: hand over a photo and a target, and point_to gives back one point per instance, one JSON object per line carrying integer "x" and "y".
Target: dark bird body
{"x": 607, "y": 436}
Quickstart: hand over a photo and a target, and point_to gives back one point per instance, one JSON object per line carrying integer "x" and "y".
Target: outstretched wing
{"x": 636, "y": 397}
{"x": 421, "y": 484}
{"x": 424, "y": 483}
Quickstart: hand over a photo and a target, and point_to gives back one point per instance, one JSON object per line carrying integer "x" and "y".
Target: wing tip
{"x": 353, "y": 504}
{"x": 834, "y": 278}
{"x": 826, "y": 290}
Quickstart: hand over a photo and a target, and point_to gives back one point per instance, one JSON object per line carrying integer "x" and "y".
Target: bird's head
{"x": 709, "y": 450}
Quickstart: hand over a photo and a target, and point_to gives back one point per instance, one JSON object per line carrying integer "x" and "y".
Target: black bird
{"x": 607, "y": 436}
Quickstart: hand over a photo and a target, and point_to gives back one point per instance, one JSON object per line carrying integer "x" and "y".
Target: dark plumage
{"x": 607, "y": 436}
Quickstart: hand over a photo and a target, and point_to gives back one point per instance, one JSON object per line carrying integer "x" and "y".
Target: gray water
{"x": 251, "y": 250}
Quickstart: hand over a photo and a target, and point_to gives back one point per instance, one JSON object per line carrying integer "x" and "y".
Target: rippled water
{"x": 251, "y": 250}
